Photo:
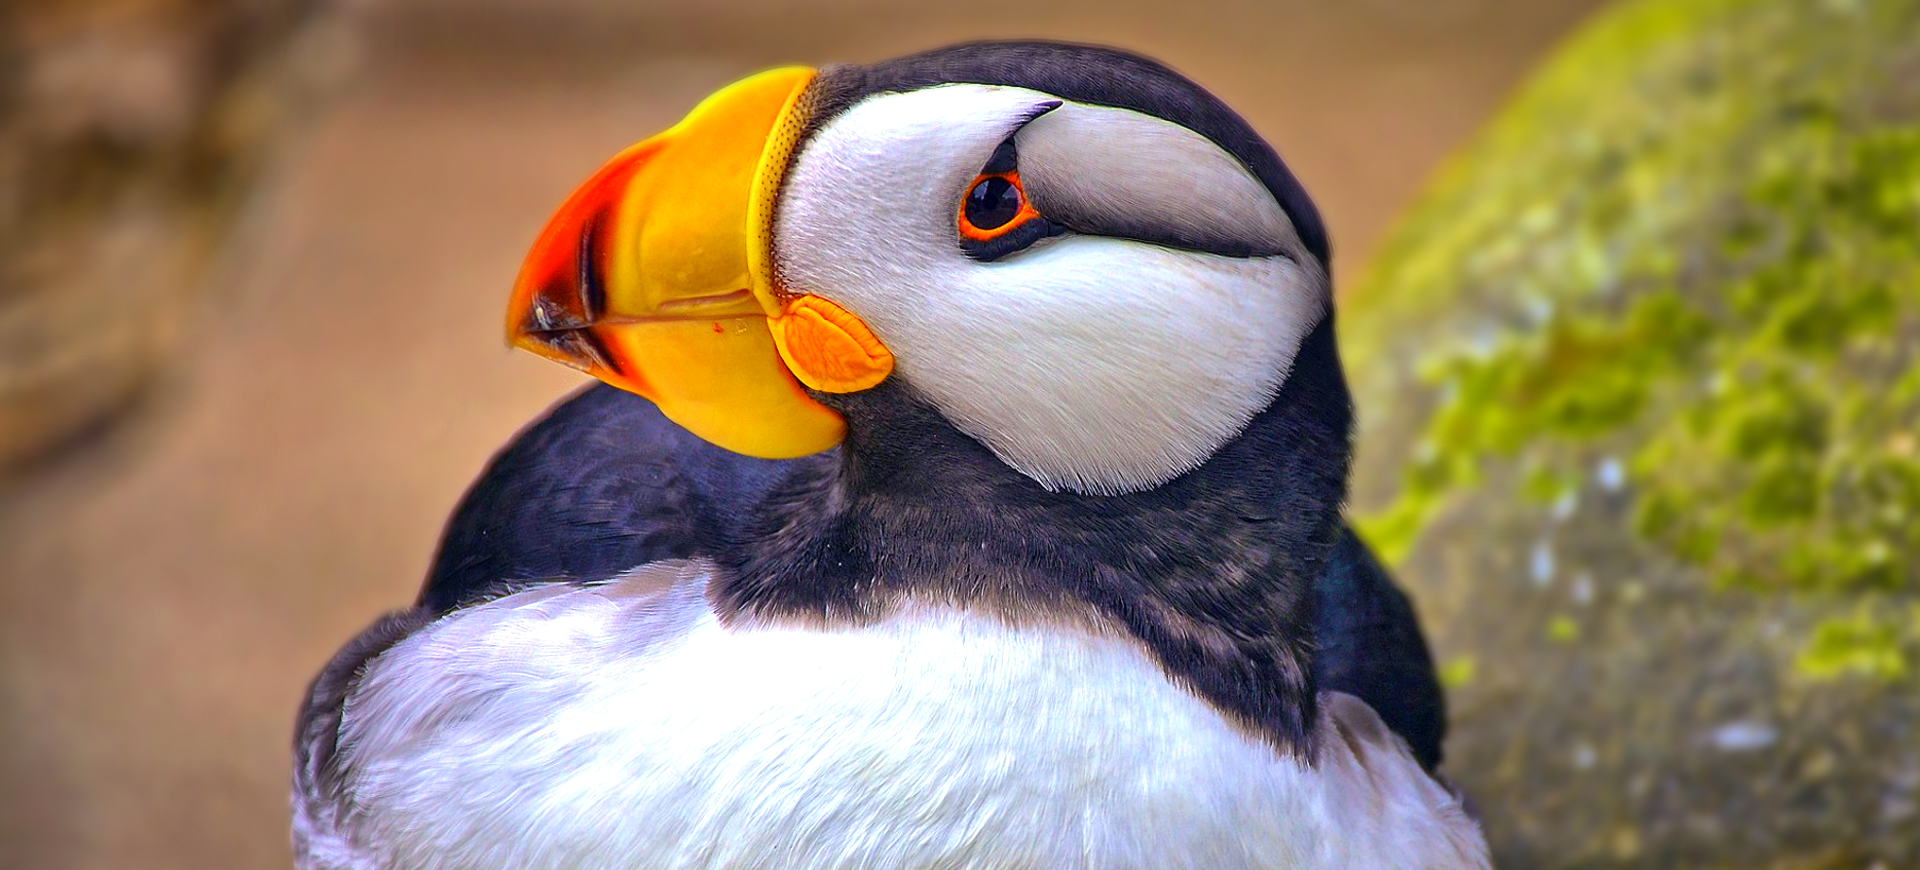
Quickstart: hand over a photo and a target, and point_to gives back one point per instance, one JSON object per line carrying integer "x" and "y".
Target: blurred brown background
{"x": 260, "y": 464}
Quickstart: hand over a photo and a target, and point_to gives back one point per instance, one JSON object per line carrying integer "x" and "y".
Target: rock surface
{"x": 130, "y": 134}
{"x": 1639, "y": 386}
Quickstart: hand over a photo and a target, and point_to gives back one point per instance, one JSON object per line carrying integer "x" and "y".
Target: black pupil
{"x": 992, "y": 202}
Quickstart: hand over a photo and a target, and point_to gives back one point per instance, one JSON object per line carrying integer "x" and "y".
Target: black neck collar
{"x": 1211, "y": 571}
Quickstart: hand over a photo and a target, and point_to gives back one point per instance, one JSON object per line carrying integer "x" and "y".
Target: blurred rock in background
{"x": 1639, "y": 387}
{"x": 131, "y": 132}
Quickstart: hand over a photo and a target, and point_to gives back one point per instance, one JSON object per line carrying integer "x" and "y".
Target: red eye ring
{"x": 995, "y": 204}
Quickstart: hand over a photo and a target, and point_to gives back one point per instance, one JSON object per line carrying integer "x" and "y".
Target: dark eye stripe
{"x": 1012, "y": 241}
{"x": 1006, "y": 158}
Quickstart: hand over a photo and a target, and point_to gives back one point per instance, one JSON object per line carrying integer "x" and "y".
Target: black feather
{"x": 603, "y": 482}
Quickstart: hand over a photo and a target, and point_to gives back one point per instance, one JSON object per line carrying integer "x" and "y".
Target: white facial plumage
{"x": 1091, "y": 363}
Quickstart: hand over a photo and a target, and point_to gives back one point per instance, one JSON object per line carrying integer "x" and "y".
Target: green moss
{"x": 1458, "y": 672}
{"x": 1693, "y": 243}
{"x": 1863, "y": 644}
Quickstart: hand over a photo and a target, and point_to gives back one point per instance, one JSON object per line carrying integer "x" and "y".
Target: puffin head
{"x": 1070, "y": 255}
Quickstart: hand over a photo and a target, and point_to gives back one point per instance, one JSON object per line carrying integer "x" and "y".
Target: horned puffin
{"x": 982, "y": 511}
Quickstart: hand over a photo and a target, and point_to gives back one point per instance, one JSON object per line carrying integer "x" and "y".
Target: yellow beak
{"x": 656, "y": 277}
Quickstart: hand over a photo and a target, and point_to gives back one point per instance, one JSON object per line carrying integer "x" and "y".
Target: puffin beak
{"x": 655, "y": 275}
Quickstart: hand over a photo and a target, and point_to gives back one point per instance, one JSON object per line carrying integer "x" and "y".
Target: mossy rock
{"x": 1639, "y": 388}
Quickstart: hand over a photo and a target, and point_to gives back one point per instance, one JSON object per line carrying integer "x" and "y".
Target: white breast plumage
{"x": 621, "y": 725}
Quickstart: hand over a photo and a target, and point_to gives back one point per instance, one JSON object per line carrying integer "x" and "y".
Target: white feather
{"x": 622, "y": 726}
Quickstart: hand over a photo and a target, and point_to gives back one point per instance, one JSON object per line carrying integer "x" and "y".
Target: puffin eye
{"x": 997, "y": 218}
{"x": 993, "y": 203}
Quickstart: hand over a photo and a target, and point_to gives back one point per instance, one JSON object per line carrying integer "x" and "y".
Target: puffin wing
{"x": 320, "y": 804}
{"x": 1370, "y": 647}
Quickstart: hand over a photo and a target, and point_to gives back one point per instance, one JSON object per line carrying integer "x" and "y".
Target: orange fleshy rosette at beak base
{"x": 655, "y": 276}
